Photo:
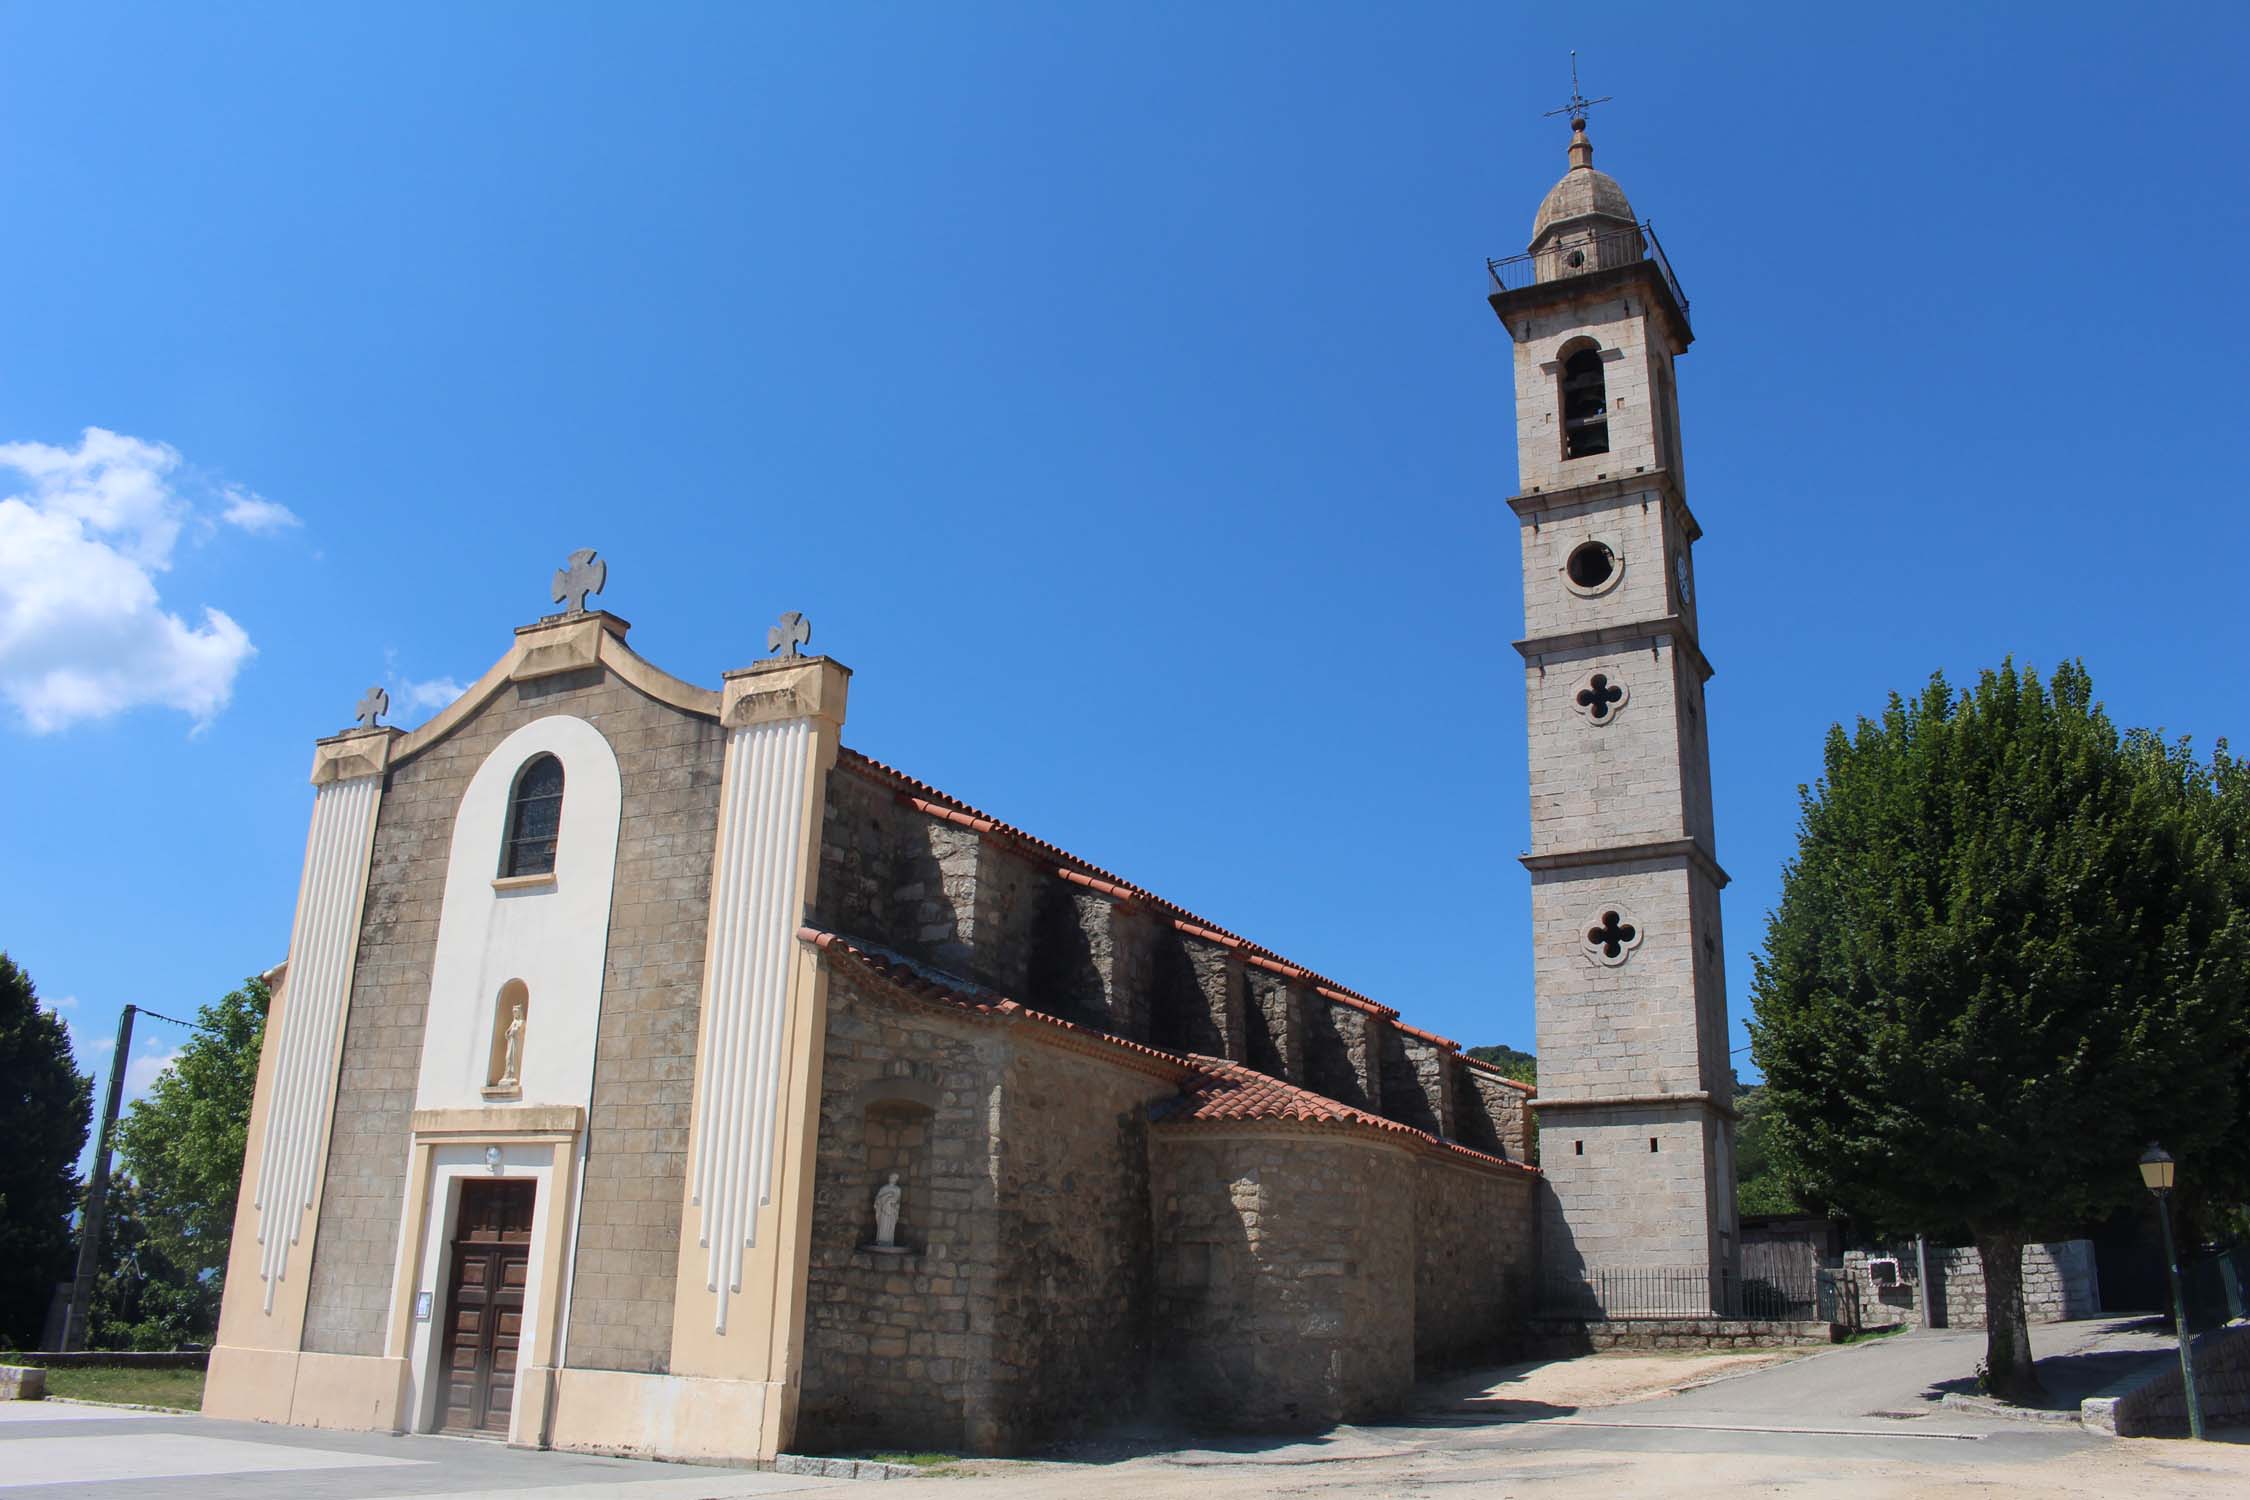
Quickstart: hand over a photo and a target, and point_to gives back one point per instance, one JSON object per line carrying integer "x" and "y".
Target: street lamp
{"x": 2157, "y": 1170}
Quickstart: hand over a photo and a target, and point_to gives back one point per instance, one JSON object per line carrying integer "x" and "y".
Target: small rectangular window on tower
{"x": 1652, "y": 1143}
{"x": 1577, "y": 1148}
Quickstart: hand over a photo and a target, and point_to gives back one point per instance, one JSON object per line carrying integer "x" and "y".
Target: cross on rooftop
{"x": 1579, "y": 103}
{"x": 373, "y": 704}
{"x": 793, "y": 631}
{"x": 585, "y": 575}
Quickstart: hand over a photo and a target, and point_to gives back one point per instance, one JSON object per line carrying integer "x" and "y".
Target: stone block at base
{"x": 22, "y": 1383}
{"x": 685, "y": 1418}
{"x": 250, "y": 1385}
{"x": 351, "y": 1393}
{"x": 356, "y": 1393}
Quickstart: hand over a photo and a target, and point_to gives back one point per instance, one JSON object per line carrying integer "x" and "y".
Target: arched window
{"x": 534, "y": 818}
{"x": 1585, "y": 405}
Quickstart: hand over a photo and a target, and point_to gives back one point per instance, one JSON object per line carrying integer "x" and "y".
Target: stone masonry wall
{"x": 670, "y": 765}
{"x": 1473, "y": 1236}
{"x": 966, "y": 897}
{"x": 1561, "y": 1338}
{"x": 1274, "y": 1028}
{"x": 1490, "y": 1113}
{"x": 898, "y": 1348}
{"x": 1417, "y": 1082}
{"x": 1020, "y": 1308}
{"x": 2059, "y": 1283}
{"x": 1285, "y": 1286}
{"x": 2154, "y": 1404}
{"x": 1071, "y": 1339}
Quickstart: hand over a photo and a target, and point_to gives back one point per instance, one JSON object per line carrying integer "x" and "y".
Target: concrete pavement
{"x": 56, "y": 1450}
{"x": 1863, "y": 1421}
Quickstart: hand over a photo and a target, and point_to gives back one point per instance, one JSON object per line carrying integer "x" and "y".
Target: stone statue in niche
{"x": 512, "y": 1060}
{"x": 886, "y": 1213}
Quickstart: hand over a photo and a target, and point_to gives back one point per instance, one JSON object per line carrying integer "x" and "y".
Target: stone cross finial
{"x": 793, "y": 631}
{"x": 585, "y": 575}
{"x": 373, "y": 704}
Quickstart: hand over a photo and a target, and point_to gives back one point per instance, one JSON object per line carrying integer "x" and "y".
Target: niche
{"x": 511, "y": 1021}
{"x": 895, "y": 1133}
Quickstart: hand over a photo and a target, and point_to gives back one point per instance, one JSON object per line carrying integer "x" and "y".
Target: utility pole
{"x": 97, "y": 1190}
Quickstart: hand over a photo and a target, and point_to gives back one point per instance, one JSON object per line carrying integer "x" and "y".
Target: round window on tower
{"x": 1592, "y": 568}
{"x": 1575, "y": 259}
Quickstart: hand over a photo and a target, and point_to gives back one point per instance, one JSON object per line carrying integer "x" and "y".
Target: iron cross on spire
{"x": 1579, "y": 103}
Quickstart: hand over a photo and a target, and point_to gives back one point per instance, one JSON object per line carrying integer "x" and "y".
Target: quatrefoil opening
{"x": 1600, "y": 697}
{"x": 1609, "y": 934}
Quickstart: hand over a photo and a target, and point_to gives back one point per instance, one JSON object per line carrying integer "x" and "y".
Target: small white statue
{"x": 886, "y": 1212}
{"x": 514, "y": 1055}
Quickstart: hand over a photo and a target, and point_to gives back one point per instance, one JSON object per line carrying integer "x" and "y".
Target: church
{"x": 653, "y": 1072}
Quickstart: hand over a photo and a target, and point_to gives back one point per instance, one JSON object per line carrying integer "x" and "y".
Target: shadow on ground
{"x": 2070, "y": 1378}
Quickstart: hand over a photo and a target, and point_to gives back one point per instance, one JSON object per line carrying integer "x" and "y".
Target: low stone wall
{"x": 1556, "y": 1338}
{"x": 2058, "y": 1284}
{"x": 2154, "y": 1404}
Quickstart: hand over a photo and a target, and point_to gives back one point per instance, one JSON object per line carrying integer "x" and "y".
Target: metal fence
{"x": 1514, "y": 272}
{"x": 1612, "y": 1294}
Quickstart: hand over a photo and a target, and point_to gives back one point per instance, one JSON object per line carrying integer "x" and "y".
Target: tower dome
{"x": 1585, "y": 220}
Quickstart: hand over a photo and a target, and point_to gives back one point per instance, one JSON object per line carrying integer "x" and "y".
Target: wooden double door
{"x": 483, "y": 1327}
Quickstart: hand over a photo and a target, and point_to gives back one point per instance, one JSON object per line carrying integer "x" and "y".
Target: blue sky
{"x": 1112, "y": 387}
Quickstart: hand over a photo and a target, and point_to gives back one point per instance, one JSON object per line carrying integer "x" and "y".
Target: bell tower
{"x": 1635, "y": 1095}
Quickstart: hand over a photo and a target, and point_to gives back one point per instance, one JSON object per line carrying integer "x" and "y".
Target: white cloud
{"x": 436, "y": 693}
{"x": 256, "y": 514}
{"x": 83, "y": 634}
{"x": 67, "y": 1002}
{"x": 140, "y": 1073}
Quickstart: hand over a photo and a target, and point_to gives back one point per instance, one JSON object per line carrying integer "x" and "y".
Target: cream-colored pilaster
{"x": 738, "y": 1314}
{"x": 262, "y": 1319}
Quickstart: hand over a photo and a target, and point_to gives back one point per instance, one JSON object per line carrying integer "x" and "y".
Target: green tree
{"x": 141, "y": 1299}
{"x": 1519, "y": 1065}
{"x": 2007, "y": 955}
{"x": 182, "y": 1147}
{"x": 45, "y": 1104}
{"x": 1761, "y": 1182}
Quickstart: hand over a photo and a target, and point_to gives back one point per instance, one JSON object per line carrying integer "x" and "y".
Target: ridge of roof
{"x": 941, "y": 803}
{"x": 1213, "y": 1090}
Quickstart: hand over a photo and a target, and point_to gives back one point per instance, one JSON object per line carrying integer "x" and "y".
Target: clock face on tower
{"x": 1680, "y": 572}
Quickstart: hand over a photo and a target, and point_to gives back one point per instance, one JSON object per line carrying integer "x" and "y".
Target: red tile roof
{"x": 938, "y": 804}
{"x": 1213, "y": 1090}
{"x": 1229, "y": 1093}
{"x": 1493, "y": 1071}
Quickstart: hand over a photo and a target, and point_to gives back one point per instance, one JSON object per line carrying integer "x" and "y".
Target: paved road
{"x": 54, "y": 1450}
{"x": 1860, "y": 1421}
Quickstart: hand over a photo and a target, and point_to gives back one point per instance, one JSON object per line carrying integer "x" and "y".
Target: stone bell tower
{"x": 1635, "y": 1094}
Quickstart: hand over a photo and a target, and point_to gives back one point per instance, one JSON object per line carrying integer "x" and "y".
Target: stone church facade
{"x": 653, "y": 1073}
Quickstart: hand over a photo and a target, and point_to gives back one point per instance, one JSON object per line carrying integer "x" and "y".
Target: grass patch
{"x": 918, "y": 1460}
{"x": 179, "y": 1389}
{"x": 1867, "y": 1335}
